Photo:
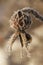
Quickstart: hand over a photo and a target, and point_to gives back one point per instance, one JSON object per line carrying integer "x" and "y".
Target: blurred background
{"x": 35, "y": 48}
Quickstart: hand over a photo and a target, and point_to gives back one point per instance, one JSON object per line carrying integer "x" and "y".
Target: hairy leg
{"x": 25, "y": 39}
{"x": 32, "y": 11}
{"x": 12, "y": 39}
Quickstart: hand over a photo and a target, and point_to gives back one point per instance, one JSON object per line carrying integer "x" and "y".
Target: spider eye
{"x": 19, "y": 13}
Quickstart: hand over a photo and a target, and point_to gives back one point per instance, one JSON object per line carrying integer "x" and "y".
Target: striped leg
{"x": 12, "y": 40}
{"x": 25, "y": 39}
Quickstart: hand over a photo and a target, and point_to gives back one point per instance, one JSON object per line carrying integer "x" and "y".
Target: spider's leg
{"x": 34, "y": 12}
{"x": 21, "y": 40}
{"x": 24, "y": 43}
{"x": 12, "y": 39}
{"x": 28, "y": 38}
{"x": 21, "y": 45}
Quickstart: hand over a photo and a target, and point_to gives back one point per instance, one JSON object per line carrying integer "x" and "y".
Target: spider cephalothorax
{"x": 20, "y": 21}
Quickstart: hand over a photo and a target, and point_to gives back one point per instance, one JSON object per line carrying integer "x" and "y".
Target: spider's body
{"x": 20, "y": 21}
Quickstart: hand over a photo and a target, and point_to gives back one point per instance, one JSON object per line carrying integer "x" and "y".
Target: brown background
{"x": 7, "y": 7}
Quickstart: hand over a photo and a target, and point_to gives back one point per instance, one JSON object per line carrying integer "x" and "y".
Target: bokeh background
{"x": 35, "y": 48}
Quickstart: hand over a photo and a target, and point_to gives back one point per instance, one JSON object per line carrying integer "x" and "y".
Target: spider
{"x": 20, "y": 21}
